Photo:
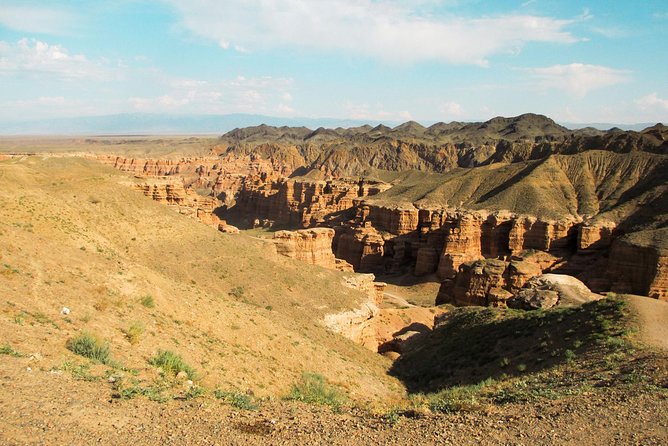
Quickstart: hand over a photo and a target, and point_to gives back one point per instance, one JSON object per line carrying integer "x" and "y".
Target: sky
{"x": 393, "y": 60}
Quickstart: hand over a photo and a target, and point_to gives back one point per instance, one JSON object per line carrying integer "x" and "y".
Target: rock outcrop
{"x": 640, "y": 267}
{"x": 488, "y": 282}
{"x": 313, "y": 246}
{"x": 298, "y": 203}
{"x": 354, "y": 324}
{"x": 549, "y": 290}
{"x": 185, "y": 201}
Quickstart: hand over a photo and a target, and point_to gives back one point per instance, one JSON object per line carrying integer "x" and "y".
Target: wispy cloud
{"x": 37, "y": 19}
{"x": 451, "y": 109}
{"x": 377, "y": 112}
{"x": 652, "y": 102}
{"x": 578, "y": 79}
{"x": 383, "y": 29}
{"x": 240, "y": 94}
{"x": 34, "y": 58}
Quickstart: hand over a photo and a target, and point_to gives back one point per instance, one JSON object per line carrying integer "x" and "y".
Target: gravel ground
{"x": 46, "y": 408}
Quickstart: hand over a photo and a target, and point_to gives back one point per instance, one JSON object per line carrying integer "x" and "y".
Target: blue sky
{"x": 427, "y": 60}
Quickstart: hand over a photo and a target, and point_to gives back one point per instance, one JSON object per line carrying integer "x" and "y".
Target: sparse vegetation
{"x": 313, "y": 389}
{"x": 79, "y": 371}
{"x": 237, "y": 292}
{"x": 90, "y": 347}
{"x": 6, "y": 349}
{"x": 457, "y": 398}
{"x": 134, "y": 332}
{"x": 237, "y": 399}
{"x": 147, "y": 301}
{"x": 194, "y": 391}
{"x": 172, "y": 364}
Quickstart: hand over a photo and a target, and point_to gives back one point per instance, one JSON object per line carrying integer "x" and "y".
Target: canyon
{"x": 493, "y": 205}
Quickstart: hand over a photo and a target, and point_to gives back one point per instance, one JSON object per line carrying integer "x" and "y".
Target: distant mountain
{"x": 161, "y": 124}
{"x": 145, "y": 123}
{"x": 439, "y": 148}
{"x": 607, "y": 126}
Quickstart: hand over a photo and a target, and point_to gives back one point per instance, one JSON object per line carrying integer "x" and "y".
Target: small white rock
{"x": 65, "y": 311}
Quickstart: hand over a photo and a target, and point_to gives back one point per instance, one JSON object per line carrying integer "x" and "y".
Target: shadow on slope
{"x": 472, "y": 344}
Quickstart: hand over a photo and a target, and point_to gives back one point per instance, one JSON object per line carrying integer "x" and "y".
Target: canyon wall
{"x": 313, "y": 246}
{"x": 634, "y": 268}
{"x": 184, "y": 201}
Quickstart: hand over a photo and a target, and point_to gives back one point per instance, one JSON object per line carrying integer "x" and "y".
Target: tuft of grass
{"x": 458, "y": 398}
{"x": 238, "y": 400}
{"x": 237, "y": 292}
{"x": 313, "y": 389}
{"x": 90, "y": 347}
{"x": 8, "y": 350}
{"x": 134, "y": 332}
{"x": 79, "y": 371}
{"x": 194, "y": 391}
{"x": 172, "y": 364}
{"x": 147, "y": 301}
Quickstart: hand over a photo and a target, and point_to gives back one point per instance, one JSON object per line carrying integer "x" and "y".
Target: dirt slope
{"x": 652, "y": 321}
{"x": 72, "y": 234}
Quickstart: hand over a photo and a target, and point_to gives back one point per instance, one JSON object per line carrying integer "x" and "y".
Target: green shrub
{"x": 171, "y": 364}
{"x": 133, "y": 332}
{"x": 147, "y": 301}
{"x": 8, "y": 350}
{"x": 237, "y": 399}
{"x": 90, "y": 347}
{"x": 313, "y": 389}
{"x": 194, "y": 391}
{"x": 459, "y": 398}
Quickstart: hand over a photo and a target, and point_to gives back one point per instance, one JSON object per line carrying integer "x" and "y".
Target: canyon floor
{"x": 125, "y": 322}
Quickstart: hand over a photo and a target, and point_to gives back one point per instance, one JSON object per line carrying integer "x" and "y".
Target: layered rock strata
{"x": 313, "y": 246}
{"x": 638, "y": 269}
{"x": 184, "y": 201}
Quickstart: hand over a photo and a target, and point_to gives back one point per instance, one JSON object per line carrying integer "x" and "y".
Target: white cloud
{"x": 385, "y": 29}
{"x": 30, "y": 56}
{"x": 578, "y": 79}
{"x": 285, "y": 109}
{"x": 451, "y": 109}
{"x": 652, "y": 101}
{"x": 36, "y": 19}
{"x": 366, "y": 112}
{"x": 240, "y": 94}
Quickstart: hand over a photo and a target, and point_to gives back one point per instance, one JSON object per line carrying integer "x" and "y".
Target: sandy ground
{"x": 653, "y": 322}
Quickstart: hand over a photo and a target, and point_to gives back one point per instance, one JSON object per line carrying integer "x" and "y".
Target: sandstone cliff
{"x": 185, "y": 201}
{"x": 312, "y": 246}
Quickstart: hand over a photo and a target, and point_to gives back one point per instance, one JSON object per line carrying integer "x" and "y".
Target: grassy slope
{"x": 486, "y": 355}
{"x": 72, "y": 235}
{"x": 589, "y": 183}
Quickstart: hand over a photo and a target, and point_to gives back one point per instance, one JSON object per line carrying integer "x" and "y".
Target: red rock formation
{"x": 184, "y": 201}
{"x": 362, "y": 247}
{"x": 426, "y": 261}
{"x": 462, "y": 243}
{"x": 312, "y": 246}
{"x": 595, "y": 236}
{"x": 637, "y": 269}
{"x": 300, "y": 204}
{"x": 395, "y": 220}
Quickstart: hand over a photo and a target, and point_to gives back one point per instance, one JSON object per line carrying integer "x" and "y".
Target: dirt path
{"x": 653, "y": 320}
